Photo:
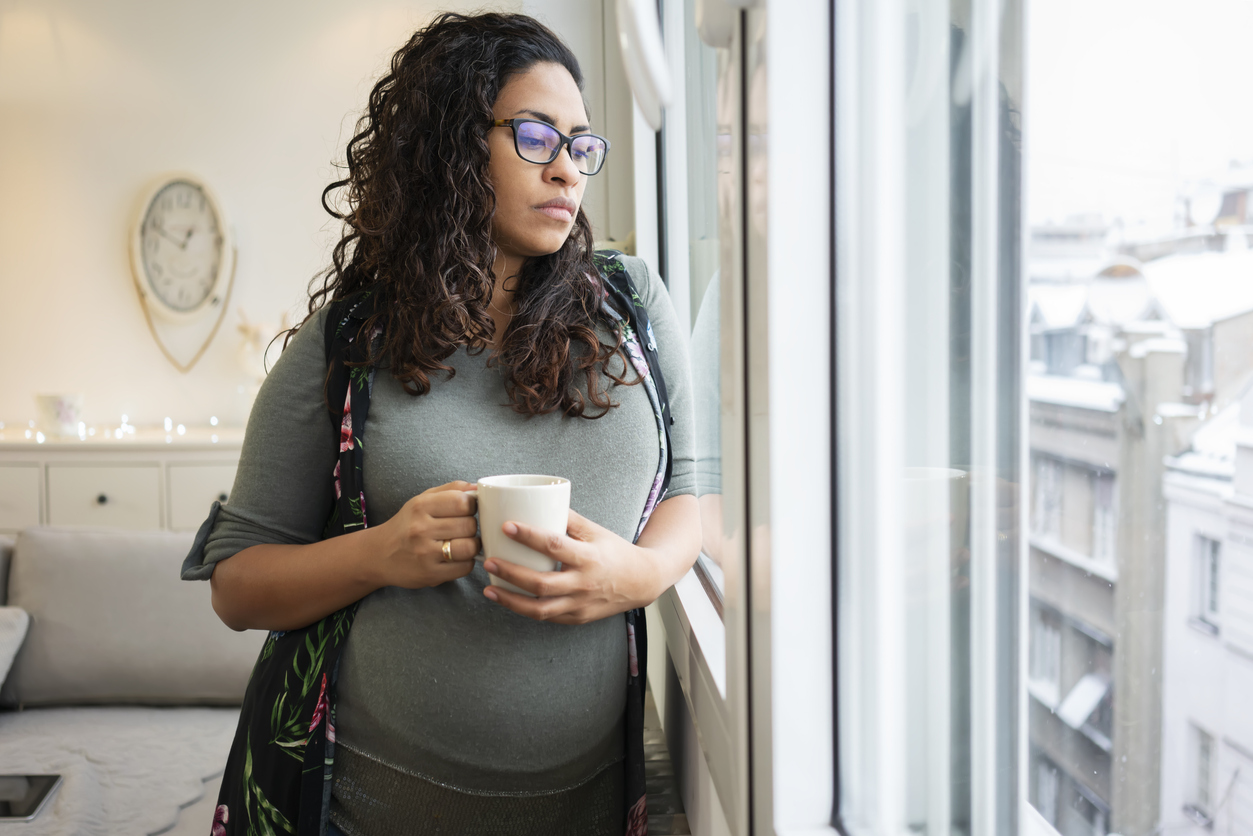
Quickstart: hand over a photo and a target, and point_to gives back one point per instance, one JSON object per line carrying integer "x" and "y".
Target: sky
{"x": 1128, "y": 99}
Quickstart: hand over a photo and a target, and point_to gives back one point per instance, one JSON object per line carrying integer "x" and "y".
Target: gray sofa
{"x": 126, "y": 683}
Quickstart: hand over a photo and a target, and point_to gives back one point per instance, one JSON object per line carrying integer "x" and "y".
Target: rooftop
{"x": 1213, "y": 450}
{"x": 1097, "y": 395}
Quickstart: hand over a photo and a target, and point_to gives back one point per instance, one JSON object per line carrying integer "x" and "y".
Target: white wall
{"x": 97, "y": 99}
{"x": 1193, "y": 669}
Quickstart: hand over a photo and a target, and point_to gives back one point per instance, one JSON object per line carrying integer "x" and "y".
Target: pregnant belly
{"x": 443, "y": 683}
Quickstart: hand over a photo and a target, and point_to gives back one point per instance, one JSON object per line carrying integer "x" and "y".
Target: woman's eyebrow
{"x": 544, "y": 117}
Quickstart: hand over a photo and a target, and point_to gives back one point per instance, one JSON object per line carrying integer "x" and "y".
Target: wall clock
{"x": 183, "y": 262}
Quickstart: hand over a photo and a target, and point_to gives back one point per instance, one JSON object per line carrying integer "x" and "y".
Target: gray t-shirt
{"x": 440, "y": 682}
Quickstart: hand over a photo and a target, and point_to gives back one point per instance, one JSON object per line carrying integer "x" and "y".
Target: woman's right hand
{"x": 412, "y": 541}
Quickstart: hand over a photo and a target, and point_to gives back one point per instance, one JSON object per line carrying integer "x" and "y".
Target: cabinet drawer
{"x": 117, "y": 496}
{"x": 193, "y": 488}
{"x": 19, "y": 496}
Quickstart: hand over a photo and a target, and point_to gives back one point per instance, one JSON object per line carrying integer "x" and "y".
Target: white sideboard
{"x": 140, "y": 481}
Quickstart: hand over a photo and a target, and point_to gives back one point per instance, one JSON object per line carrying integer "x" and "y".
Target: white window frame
{"x": 790, "y": 545}
{"x": 1207, "y": 561}
{"x": 1202, "y": 746}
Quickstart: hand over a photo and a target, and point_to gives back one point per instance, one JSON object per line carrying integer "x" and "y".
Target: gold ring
{"x": 447, "y": 550}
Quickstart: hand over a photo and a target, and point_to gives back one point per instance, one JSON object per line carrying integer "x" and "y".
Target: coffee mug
{"x": 537, "y": 501}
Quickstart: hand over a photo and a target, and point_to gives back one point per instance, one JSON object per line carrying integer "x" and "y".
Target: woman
{"x": 462, "y": 707}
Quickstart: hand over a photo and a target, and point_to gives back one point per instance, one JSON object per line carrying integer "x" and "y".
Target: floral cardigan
{"x": 278, "y": 773}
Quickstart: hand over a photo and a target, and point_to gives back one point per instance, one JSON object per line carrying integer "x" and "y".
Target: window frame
{"x": 1206, "y": 580}
{"x": 767, "y": 730}
{"x": 1199, "y": 804}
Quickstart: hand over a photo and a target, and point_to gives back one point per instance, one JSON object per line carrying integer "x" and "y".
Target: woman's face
{"x": 536, "y": 204}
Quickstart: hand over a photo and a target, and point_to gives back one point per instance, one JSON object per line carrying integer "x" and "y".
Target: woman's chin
{"x": 541, "y": 246}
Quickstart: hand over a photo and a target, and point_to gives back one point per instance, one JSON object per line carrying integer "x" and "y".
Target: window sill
{"x": 1204, "y": 627}
{"x": 702, "y": 626}
{"x": 1198, "y": 816}
{"x": 1100, "y": 568}
{"x": 1098, "y": 737}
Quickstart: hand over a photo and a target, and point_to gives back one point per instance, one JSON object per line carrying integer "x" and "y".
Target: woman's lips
{"x": 557, "y": 213}
{"x": 559, "y": 210}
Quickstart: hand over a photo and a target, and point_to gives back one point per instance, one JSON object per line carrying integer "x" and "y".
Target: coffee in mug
{"x": 537, "y": 501}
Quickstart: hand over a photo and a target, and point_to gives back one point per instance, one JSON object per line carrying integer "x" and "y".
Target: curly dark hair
{"x": 417, "y": 229}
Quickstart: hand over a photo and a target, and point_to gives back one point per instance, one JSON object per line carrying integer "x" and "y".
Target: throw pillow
{"x": 13, "y": 624}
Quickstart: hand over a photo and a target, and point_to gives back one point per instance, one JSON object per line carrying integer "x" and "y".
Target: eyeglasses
{"x": 540, "y": 143}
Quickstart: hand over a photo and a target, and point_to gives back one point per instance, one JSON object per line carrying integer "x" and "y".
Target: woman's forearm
{"x": 285, "y": 587}
{"x": 673, "y": 536}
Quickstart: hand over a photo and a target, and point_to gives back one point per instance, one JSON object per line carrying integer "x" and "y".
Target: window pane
{"x": 1140, "y": 311}
{"x": 930, "y": 458}
{"x": 710, "y": 84}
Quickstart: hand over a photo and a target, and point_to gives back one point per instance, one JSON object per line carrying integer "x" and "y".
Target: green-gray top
{"x": 440, "y": 682}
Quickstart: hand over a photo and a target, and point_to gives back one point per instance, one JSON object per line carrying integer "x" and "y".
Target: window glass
{"x": 932, "y": 476}
{"x": 1202, "y": 775}
{"x": 1139, "y": 225}
{"x": 712, "y": 229}
{"x": 1205, "y": 580}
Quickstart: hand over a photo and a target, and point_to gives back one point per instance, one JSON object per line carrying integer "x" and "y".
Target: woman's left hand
{"x": 601, "y": 574}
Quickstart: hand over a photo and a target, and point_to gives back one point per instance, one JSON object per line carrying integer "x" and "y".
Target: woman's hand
{"x": 601, "y": 574}
{"x": 410, "y": 544}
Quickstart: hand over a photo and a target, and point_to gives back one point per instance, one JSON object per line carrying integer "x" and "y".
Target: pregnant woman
{"x": 486, "y": 338}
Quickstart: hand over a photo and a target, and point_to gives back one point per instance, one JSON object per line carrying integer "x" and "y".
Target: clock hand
{"x": 160, "y": 230}
{"x": 187, "y": 237}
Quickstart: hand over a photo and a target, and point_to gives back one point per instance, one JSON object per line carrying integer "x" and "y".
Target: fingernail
{"x": 491, "y": 566}
{"x": 490, "y": 593}
{"x": 511, "y": 528}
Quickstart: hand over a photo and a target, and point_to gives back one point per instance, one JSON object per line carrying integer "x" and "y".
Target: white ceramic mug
{"x": 60, "y": 414}
{"x": 538, "y": 501}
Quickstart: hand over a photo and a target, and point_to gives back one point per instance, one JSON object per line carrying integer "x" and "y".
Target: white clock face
{"x": 182, "y": 243}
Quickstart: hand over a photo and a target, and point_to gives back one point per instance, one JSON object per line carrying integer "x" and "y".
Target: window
{"x": 1047, "y": 787}
{"x": 707, "y": 148}
{"x": 1075, "y": 507}
{"x": 930, "y": 355}
{"x": 1208, "y": 552}
{"x": 1084, "y": 816}
{"x": 1046, "y": 652}
{"x": 1198, "y": 382}
{"x": 1200, "y": 805}
{"x": 1104, "y": 517}
{"x": 1047, "y": 512}
{"x": 1064, "y": 351}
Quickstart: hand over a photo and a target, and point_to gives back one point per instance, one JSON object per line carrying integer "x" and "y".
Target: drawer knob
{"x": 221, "y": 497}
{"x": 102, "y": 500}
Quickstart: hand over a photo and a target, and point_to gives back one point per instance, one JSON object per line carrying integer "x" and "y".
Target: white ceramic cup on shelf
{"x": 538, "y": 501}
{"x": 59, "y": 415}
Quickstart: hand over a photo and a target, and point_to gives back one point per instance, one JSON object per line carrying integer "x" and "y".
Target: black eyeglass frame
{"x": 565, "y": 142}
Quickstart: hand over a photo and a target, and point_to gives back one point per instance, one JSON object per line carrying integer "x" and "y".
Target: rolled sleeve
{"x": 283, "y": 491}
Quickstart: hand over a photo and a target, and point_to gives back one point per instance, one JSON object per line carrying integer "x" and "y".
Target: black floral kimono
{"x": 278, "y": 773}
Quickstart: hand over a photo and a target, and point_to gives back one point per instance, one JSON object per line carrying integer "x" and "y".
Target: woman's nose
{"x": 562, "y": 168}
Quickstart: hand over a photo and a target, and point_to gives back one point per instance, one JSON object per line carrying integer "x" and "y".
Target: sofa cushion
{"x": 13, "y": 625}
{"x": 112, "y": 623}
{"x": 6, "y": 549}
